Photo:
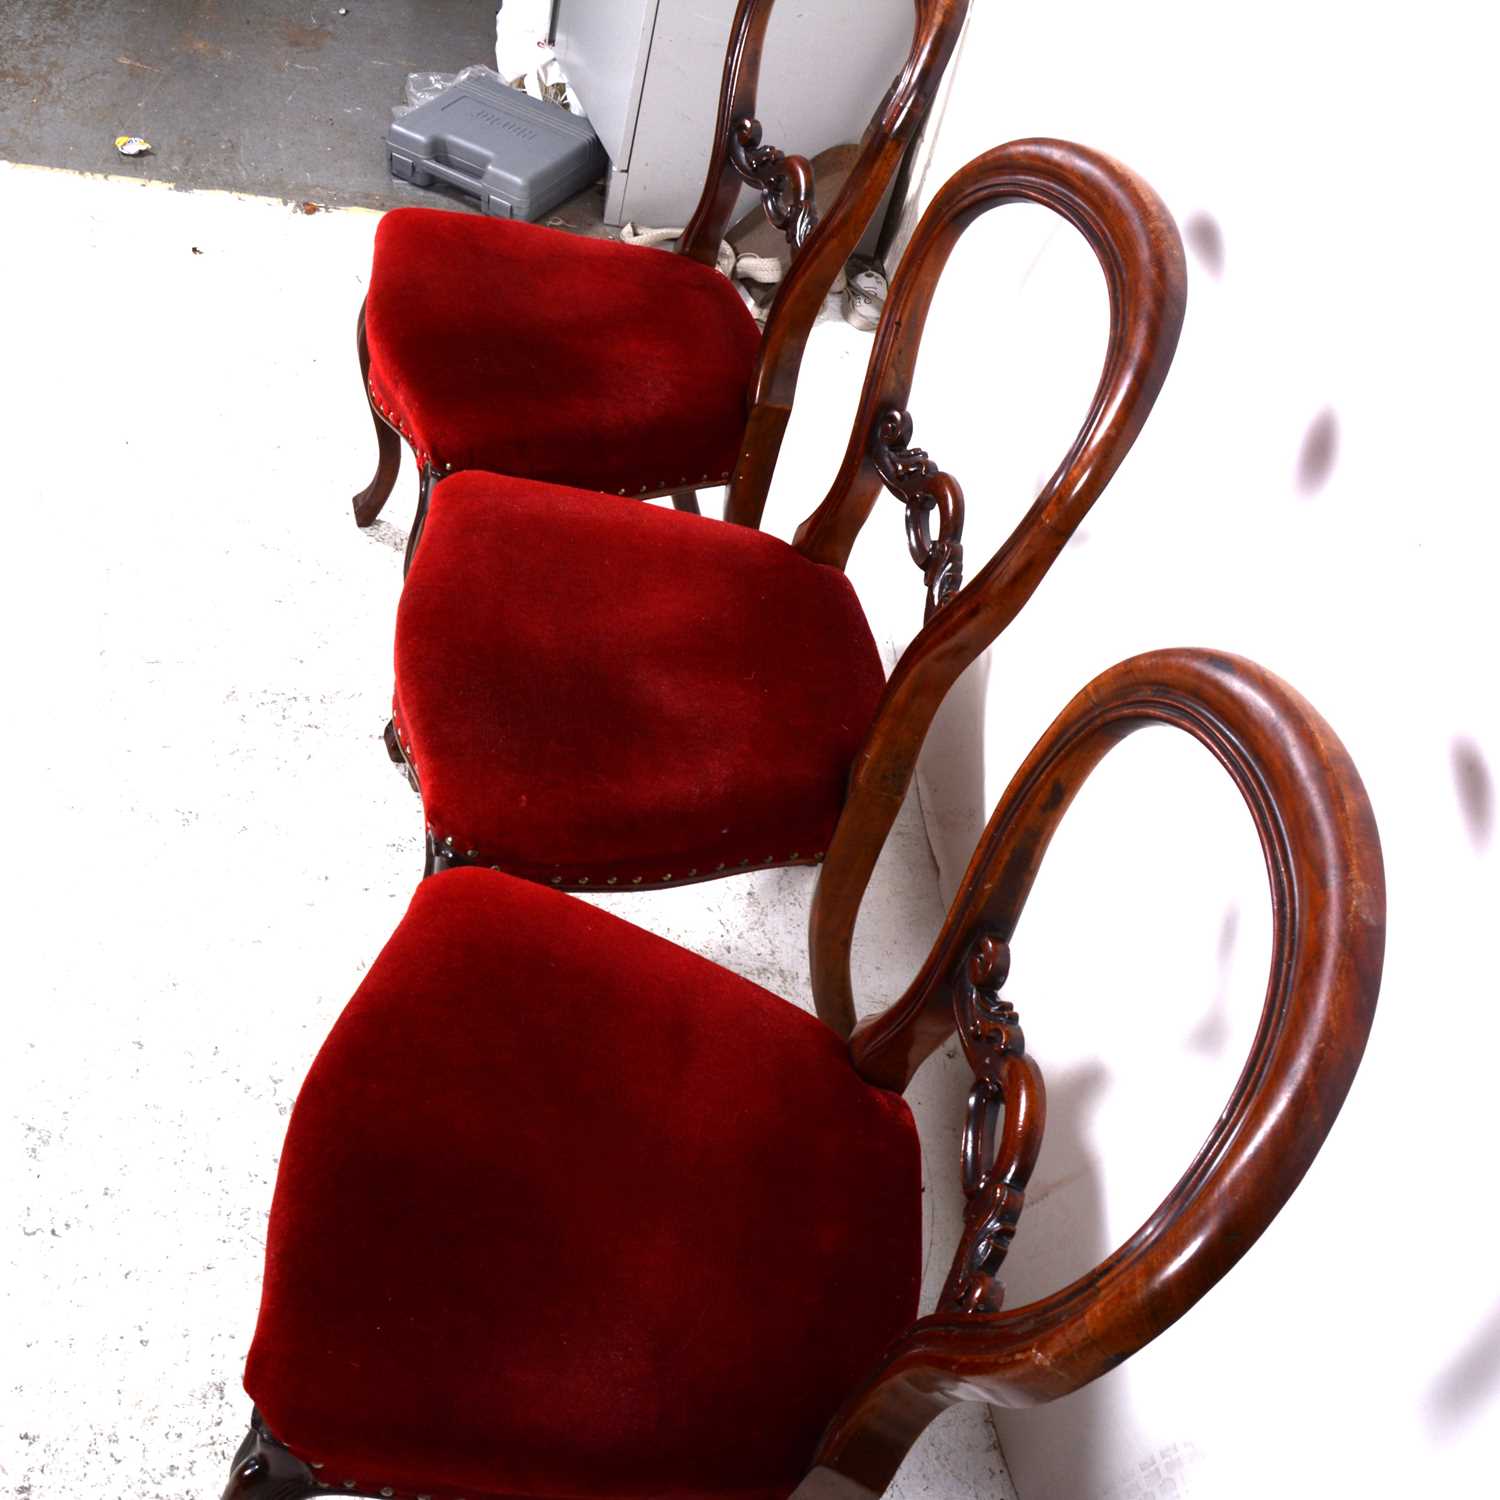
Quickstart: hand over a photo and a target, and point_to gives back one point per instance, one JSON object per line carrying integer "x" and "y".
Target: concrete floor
{"x": 214, "y": 846}
{"x": 257, "y": 96}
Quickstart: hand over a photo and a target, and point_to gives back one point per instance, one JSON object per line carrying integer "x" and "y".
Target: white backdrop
{"x": 1314, "y": 491}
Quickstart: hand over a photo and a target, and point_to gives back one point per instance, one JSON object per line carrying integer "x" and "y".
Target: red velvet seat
{"x": 597, "y": 694}
{"x": 497, "y": 345}
{"x": 479, "y": 1273}
{"x": 501, "y": 345}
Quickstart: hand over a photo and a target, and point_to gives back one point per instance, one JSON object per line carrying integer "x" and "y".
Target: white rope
{"x": 763, "y": 270}
{"x": 862, "y": 310}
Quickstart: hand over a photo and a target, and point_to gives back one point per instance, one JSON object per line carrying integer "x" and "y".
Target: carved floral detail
{"x": 922, "y": 487}
{"x": 1006, "y": 1082}
{"x": 785, "y": 182}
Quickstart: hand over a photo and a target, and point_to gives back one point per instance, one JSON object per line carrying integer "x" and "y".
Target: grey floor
{"x": 255, "y": 96}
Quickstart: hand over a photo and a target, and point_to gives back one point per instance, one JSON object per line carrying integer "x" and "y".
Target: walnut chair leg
{"x": 392, "y": 744}
{"x": 686, "y": 500}
{"x": 264, "y": 1470}
{"x": 370, "y": 500}
{"x": 398, "y": 755}
{"x": 424, "y": 494}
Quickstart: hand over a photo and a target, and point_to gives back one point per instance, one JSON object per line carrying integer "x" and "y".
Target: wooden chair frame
{"x": 819, "y": 247}
{"x": 1140, "y": 253}
{"x": 787, "y": 194}
{"x": 1139, "y": 249}
{"x": 1327, "y": 889}
{"x": 1327, "y": 885}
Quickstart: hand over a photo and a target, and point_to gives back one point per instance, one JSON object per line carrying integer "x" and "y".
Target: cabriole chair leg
{"x": 424, "y": 494}
{"x": 370, "y": 500}
{"x": 438, "y": 857}
{"x": 398, "y": 755}
{"x": 264, "y": 1470}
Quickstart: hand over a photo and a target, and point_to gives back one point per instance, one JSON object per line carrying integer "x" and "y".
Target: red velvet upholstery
{"x": 565, "y": 1210}
{"x": 596, "y": 693}
{"x": 505, "y": 346}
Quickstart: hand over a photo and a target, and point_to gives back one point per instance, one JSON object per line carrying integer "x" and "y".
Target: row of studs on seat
{"x": 423, "y": 458}
{"x": 386, "y": 1491}
{"x": 447, "y": 845}
{"x": 666, "y": 484}
{"x": 394, "y": 419}
{"x": 446, "y": 848}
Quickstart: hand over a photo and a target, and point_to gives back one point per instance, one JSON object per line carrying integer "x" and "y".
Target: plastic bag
{"x": 420, "y": 87}
{"x": 524, "y": 55}
{"x": 523, "y": 36}
{"x": 545, "y": 82}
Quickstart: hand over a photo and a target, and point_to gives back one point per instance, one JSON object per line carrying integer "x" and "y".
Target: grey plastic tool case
{"x": 518, "y": 156}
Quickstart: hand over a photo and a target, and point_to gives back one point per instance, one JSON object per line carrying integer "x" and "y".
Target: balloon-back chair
{"x": 498, "y": 345}
{"x": 603, "y": 696}
{"x": 565, "y": 1210}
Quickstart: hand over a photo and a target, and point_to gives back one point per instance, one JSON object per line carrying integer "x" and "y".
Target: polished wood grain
{"x": 1327, "y": 893}
{"x": 1140, "y": 253}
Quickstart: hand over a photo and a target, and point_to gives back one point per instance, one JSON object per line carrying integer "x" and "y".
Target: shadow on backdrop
{"x": 1319, "y": 454}
{"x": 1211, "y": 1033}
{"x": 1469, "y": 1383}
{"x": 1206, "y": 240}
{"x": 1476, "y": 790}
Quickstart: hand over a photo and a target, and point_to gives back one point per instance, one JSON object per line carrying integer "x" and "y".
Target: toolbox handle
{"x": 454, "y": 174}
{"x": 460, "y": 178}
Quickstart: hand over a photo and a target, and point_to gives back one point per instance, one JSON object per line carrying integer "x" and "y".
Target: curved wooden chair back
{"x": 820, "y": 246}
{"x": 1327, "y": 884}
{"x": 1139, "y": 249}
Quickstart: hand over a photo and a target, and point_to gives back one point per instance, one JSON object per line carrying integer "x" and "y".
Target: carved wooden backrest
{"x": 820, "y": 246}
{"x": 1138, "y": 247}
{"x": 1327, "y": 886}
